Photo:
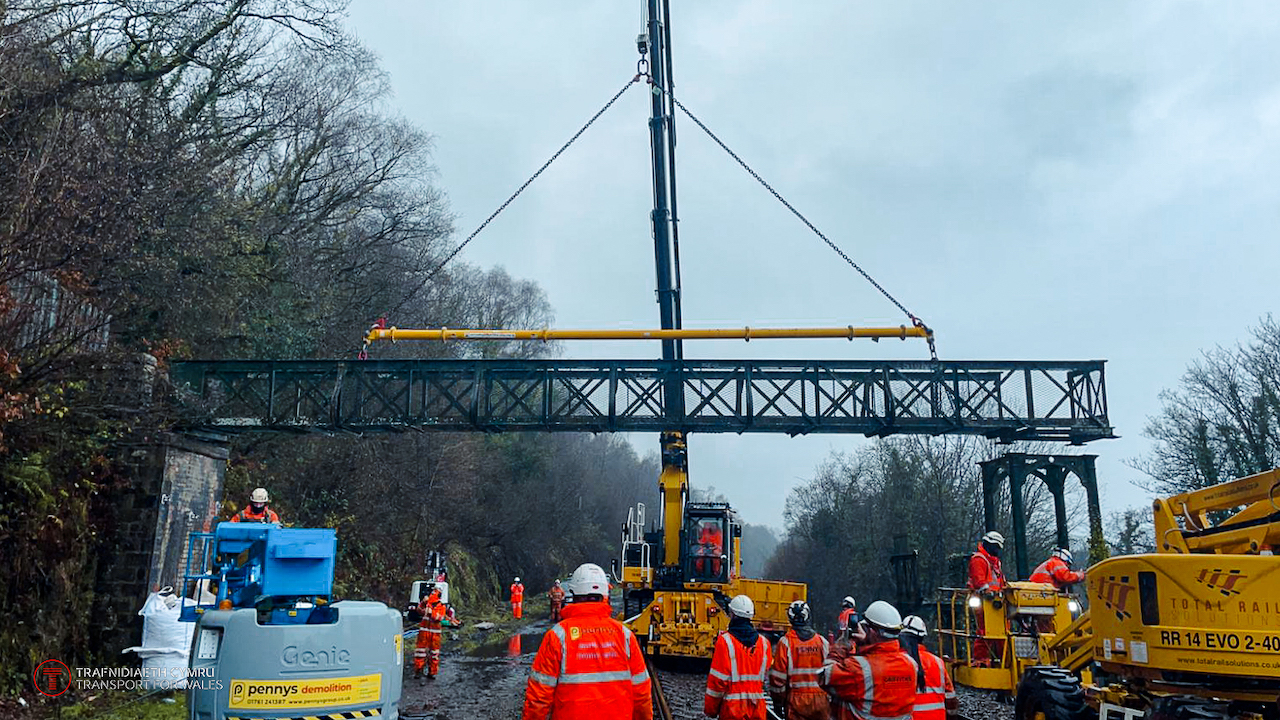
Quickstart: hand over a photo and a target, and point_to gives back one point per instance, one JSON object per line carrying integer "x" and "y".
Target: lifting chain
{"x": 915, "y": 321}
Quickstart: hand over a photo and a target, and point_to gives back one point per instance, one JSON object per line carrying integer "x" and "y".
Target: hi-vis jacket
{"x": 985, "y": 574}
{"x": 879, "y": 683}
{"x": 735, "y": 685}
{"x": 589, "y": 666}
{"x": 931, "y": 703}
{"x": 797, "y": 665}
{"x": 1056, "y": 571}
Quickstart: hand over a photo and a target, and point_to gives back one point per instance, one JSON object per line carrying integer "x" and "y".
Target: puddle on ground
{"x": 514, "y": 646}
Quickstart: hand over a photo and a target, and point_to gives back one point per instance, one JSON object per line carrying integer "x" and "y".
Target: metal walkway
{"x": 1016, "y": 400}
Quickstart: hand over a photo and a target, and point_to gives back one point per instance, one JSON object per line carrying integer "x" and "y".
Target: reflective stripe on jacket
{"x": 879, "y": 683}
{"x": 797, "y": 668}
{"x": 985, "y": 574}
{"x": 248, "y": 515}
{"x": 588, "y": 666}
{"x": 735, "y": 684}
{"x": 931, "y": 703}
{"x": 1056, "y": 572}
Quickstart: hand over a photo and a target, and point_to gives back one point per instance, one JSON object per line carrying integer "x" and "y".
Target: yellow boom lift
{"x": 1189, "y": 632}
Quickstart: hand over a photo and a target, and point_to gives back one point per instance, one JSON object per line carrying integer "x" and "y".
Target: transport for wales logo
{"x": 52, "y": 678}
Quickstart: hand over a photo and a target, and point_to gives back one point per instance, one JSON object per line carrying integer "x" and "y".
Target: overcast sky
{"x": 1069, "y": 181}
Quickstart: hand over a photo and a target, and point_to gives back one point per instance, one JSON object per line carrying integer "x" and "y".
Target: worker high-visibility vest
{"x": 797, "y": 668}
{"x": 931, "y": 702}
{"x": 735, "y": 685}
{"x": 1056, "y": 572}
{"x": 985, "y": 574}
{"x": 589, "y": 666}
{"x": 879, "y": 683}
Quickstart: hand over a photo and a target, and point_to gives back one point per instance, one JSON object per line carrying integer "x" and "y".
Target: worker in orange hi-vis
{"x": 429, "y": 635}
{"x": 556, "y": 594}
{"x": 986, "y": 578}
{"x": 797, "y": 665}
{"x": 589, "y": 666}
{"x": 935, "y": 694}
{"x": 257, "y": 510}
{"x": 517, "y": 599}
{"x": 1057, "y": 571}
{"x": 739, "y": 665}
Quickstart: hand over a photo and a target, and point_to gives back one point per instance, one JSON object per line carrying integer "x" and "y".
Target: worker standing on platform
{"x": 1057, "y": 571}
{"x": 430, "y": 634}
{"x": 879, "y": 681}
{"x": 589, "y": 665}
{"x": 797, "y": 663}
{"x": 935, "y": 695}
{"x": 556, "y": 593}
{"x": 257, "y": 510}
{"x": 517, "y": 599}
{"x": 735, "y": 685}
{"x": 986, "y": 579}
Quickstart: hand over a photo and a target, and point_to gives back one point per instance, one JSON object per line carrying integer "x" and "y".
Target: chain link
{"x": 914, "y": 320}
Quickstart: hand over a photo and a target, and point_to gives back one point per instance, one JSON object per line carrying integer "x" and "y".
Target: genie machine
{"x": 272, "y": 645}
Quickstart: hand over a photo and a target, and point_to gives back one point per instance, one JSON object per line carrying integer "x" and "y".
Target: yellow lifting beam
{"x": 848, "y": 332}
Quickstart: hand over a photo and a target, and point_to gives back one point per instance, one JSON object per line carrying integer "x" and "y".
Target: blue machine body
{"x": 255, "y": 564}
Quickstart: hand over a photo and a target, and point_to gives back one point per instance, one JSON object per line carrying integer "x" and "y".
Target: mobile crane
{"x": 1189, "y": 632}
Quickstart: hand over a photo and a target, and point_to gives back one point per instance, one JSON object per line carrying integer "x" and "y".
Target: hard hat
{"x": 994, "y": 538}
{"x": 588, "y": 579}
{"x": 517, "y": 579}
{"x": 798, "y": 613}
{"x": 1064, "y": 554}
{"x": 557, "y": 583}
{"x": 914, "y": 625}
{"x": 883, "y": 616}
{"x": 260, "y": 495}
{"x": 848, "y": 602}
{"x": 742, "y": 606}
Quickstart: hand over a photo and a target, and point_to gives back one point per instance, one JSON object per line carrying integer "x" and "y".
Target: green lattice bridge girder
{"x": 1012, "y": 400}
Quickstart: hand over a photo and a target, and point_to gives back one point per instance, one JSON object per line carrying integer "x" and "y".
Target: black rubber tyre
{"x": 1047, "y": 692}
{"x": 1185, "y": 707}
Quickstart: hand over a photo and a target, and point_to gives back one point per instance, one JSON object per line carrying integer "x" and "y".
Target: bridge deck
{"x": 1014, "y": 400}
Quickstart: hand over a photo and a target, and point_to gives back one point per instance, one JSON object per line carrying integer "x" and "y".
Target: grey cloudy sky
{"x": 1070, "y": 181}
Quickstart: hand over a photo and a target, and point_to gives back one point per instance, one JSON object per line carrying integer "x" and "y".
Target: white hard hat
{"x": 914, "y": 625}
{"x": 994, "y": 538}
{"x": 517, "y": 579}
{"x": 557, "y": 583}
{"x": 883, "y": 616}
{"x": 588, "y": 579}
{"x": 798, "y": 613}
{"x": 1064, "y": 554}
{"x": 259, "y": 495}
{"x": 848, "y": 602}
{"x": 742, "y": 606}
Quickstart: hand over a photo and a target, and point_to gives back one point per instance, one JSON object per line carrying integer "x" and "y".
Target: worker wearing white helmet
{"x": 797, "y": 663}
{"x": 986, "y": 579}
{"x": 735, "y": 685}
{"x": 935, "y": 694}
{"x": 589, "y": 665}
{"x": 257, "y": 510}
{"x": 517, "y": 598}
{"x": 1057, "y": 571}
{"x": 879, "y": 680}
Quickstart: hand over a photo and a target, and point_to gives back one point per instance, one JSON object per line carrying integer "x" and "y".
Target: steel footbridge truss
{"x": 1013, "y": 400}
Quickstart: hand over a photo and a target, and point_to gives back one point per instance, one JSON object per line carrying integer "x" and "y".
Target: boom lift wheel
{"x": 1048, "y": 692}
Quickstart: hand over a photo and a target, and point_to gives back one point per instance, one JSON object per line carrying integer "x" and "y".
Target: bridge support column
{"x": 176, "y": 489}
